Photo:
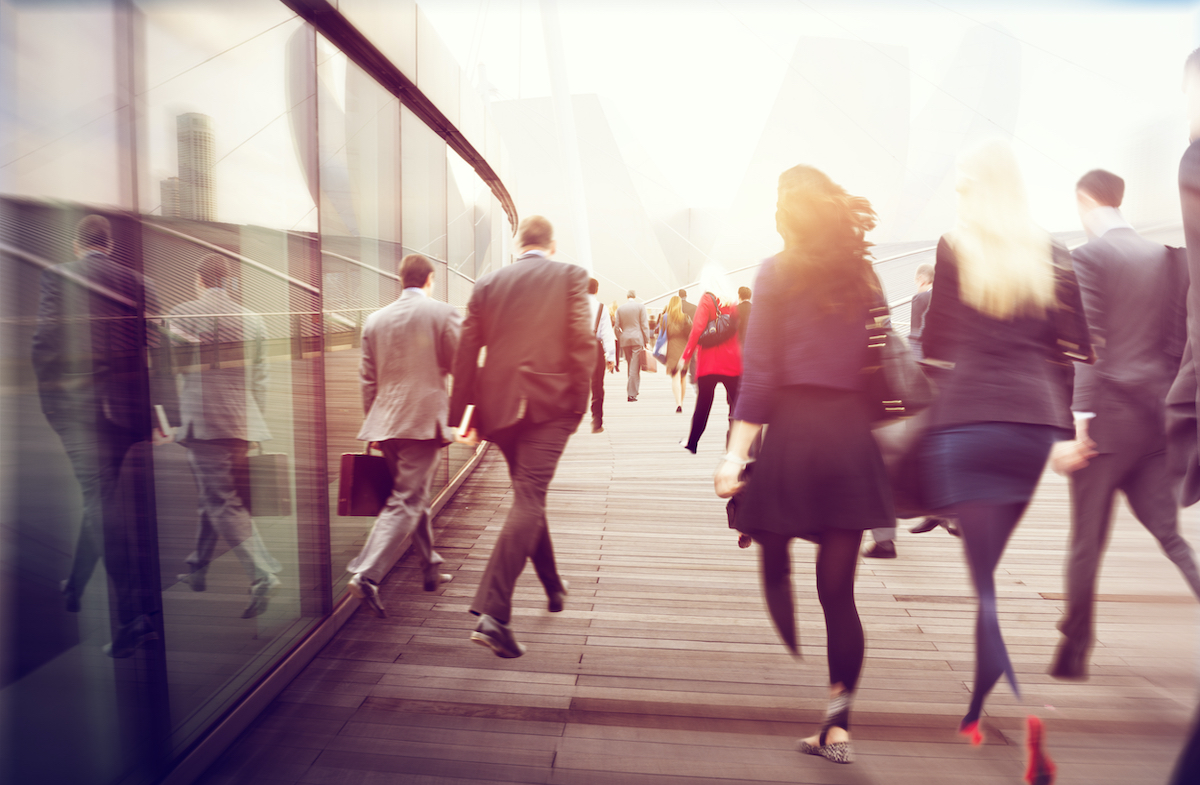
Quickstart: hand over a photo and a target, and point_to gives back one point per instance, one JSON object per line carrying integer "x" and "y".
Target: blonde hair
{"x": 675, "y": 311}
{"x": 1005, "y": 261}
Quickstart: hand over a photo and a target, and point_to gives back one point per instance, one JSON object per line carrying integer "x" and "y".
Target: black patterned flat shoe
{"x": 838, "y": 751}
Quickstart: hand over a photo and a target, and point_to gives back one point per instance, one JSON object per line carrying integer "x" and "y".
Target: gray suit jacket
{"x": 408, "y": 349}
{"x": 633, "y": 324}
{"x": 1134, "y": 294}
{"x": 218, "y": 350}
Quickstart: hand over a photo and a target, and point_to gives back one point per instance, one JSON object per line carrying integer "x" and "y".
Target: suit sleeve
{"x": 448, "y": 340}
{"x": 260, "y": 375}
{"x": 645, "y": 317}
{"x": 368, "y": 378}
{"x": 466, "y": 359}
{"x": 608, "y": 338}
{"x": 581, "y": 346}
{"x": 943, "y": 315}
{"x": 1090, "y": 276}
{"x": 48, "y": 338}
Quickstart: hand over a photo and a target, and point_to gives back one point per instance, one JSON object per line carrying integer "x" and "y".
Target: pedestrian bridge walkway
{"x": 664, "y": 668}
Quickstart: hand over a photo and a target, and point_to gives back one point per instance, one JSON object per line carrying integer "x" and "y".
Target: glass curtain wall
{"x": 200, "y": 202}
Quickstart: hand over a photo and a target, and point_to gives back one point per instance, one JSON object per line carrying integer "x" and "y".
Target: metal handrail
{"x": 246, "y": 260}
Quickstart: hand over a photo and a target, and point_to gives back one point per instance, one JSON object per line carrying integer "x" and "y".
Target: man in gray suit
{"x": 223, "y": 369}
{"x": 633, "y": 327}
{"x": 1134, "y": 294}
{"x": 408, "y": 349}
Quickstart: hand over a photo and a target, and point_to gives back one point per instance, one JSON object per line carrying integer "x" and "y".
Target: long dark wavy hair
{"x": 825, "y": 253}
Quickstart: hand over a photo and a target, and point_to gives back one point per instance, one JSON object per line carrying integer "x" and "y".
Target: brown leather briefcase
{"x": 364, "y": 484}
{"x": 263, "y": 483}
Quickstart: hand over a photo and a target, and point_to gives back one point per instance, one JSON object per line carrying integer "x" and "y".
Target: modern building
{"x": 335, "y": 137}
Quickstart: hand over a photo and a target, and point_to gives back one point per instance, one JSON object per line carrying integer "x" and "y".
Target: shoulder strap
{"x": 599, "y": 313}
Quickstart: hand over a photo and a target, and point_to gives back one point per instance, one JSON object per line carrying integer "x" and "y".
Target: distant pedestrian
{"x": 743, "y": 310}
{"x": 606, "y": 353}
{"x": 1006, "y": 310}
{"x": 918, "y": 308}
{"x": 819, "y": 473}
{"x": 689, "y": 310}
{"x": 633, "y": 322}
{"x": 719, "y": 363}
{"x": 678, "y": 326}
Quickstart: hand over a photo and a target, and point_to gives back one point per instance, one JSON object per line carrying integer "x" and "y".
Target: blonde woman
{"x": 1005, "y": 305}
{"x": 678, "y": 326}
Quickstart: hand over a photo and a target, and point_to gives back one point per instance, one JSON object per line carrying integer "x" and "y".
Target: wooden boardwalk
{"x": 664, "y": 668}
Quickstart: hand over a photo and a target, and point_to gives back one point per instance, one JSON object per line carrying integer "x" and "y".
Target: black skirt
{"x": 819, "y": 468}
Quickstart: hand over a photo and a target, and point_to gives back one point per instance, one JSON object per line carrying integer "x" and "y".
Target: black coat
{"x": 533, "y": 318}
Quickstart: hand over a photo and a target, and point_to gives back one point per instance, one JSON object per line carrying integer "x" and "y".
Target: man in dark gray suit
{"x": 633, "y": 327}
{"x": 533, "y": 318}
{"x": 1134, "y": 295}
{"x": 222, "y": 405}
{"x": 408, "y": 348}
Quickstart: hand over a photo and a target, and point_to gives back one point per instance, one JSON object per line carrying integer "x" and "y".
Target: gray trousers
{"x": 406, "y": 512}
{"x": 1142, "y": 476}
{"x": 222, "y": 511}
{"x": 633, "y": 364}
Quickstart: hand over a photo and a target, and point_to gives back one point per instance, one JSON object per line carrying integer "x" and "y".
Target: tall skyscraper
{"x": 194, "y": 136}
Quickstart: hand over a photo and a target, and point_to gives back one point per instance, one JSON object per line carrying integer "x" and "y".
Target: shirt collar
{"x": 534, "y": 252}
{"x": 416, "y": 289}
{"x": 1100, "y": 220}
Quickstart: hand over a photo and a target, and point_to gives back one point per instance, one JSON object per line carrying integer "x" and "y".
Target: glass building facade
{"x": 300, "y": 150}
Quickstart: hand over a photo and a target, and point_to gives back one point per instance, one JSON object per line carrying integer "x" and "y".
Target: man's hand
{"x": 1068, "y": 457}
{"x": 472, "y": 437}
{"x": 681, "y": 366}
{"x": 159, "y": 437}
{"x": 726, "y": 480}
{"x": 609, "y": 366}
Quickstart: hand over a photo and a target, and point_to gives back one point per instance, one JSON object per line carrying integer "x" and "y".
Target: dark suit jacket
{"x": 532, "y": 317}
{"x": 743, "y": 309}
{"x": 1183, "y": 427}
{"x": 1005, "y": 370}
{"x": 90, "y": 348}
{"x": 689, "y": 309}
{"x": 920, "y": 306}
{"x": 1134, "y": 293}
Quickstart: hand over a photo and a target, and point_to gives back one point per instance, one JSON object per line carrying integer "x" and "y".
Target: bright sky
{"x": 696, "y": 81}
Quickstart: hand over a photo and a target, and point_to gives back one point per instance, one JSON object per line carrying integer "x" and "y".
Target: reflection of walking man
{"x": 88, "y": 354}
{"x": 532, "y": 316}
{"x": 408, "y": 348}
{"x": 633, "y": 325}
{"x": 1134, "y": 295}
{"x": 223, "y": 369}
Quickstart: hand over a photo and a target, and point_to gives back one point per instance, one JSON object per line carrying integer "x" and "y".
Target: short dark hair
{"x": 415, "y": 270}
{"x": 94, "y": 231}
{"x": 212, "y": 270}
{"x": 1105, "y": 187}
{"x": 744, "y": 292}
{"x": 683, "y": 294}
{"x": 593, "y": 286}
{"x": 534, "y": 231}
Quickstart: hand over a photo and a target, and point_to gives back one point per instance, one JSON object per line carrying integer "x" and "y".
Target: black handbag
{"x": 896, "y": 385}
{"x": 720, "y": 328}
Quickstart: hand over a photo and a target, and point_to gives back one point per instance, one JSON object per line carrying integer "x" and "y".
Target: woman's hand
{"x": 681, "y": 365}
{"x": 726, "y": 480}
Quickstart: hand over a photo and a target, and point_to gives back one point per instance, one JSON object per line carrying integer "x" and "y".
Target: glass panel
{"x": 360, "y": 235}
{"x": 229, "y": 239}
{"x": 423, "y": 177}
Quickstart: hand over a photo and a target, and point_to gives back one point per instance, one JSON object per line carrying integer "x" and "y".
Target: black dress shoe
{"x": 557, "y": 598}
{"x": 134, "y": 634}
{"x": 927, "y": 525}
{"x": 881, "y": 550}
{"x": 497, "y": 637}
{"x": 630, "y": 398}
{"x": 1070, "y": 662}
{"x": 71, "y": 598}
{"x": 367, "y": 590}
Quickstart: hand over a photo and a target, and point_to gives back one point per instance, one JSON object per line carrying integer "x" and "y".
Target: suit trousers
{"x": 222, "y": 510}
{"x": 633, "y": 363}
{"x": 406, "y": 512}
{"x": 1140, "y": 471}
{"x": 108, "y": 530}
{"x": 598, "y": 389}
{"x": 532, "y": 451}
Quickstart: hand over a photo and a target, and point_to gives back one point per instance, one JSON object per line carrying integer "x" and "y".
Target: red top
{"x": 722, "y": 360}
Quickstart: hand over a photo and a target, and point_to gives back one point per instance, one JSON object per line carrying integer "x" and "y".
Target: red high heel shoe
{"x": 1041, "y": 769}
{"x": 972, "y": 732}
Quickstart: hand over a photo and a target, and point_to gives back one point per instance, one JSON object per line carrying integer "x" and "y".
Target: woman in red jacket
{"x": 720, "y": 364}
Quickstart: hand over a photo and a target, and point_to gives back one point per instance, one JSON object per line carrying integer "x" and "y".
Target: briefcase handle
{"x": 367, "y": 449}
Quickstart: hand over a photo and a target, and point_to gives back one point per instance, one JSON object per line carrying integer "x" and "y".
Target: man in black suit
{"x": 1134, "y": 297}
{"x": 532, "y": 317}
{"x": 743, "y": 308}
{"x": 90, "y": 358}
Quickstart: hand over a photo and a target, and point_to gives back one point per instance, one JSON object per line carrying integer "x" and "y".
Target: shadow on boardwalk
{"x": 664, "y": 668}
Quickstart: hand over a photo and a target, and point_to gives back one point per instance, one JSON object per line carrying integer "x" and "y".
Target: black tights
{"x": 986, "y": 527}
{"x": 837, "y": 559}
{"x": 706, "y": 391}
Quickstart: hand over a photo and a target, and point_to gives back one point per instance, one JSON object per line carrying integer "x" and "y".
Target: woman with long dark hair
{"x": 1006, "y": 311}
{"x": 819, "y": 474}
